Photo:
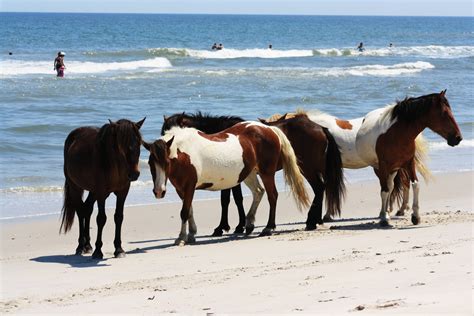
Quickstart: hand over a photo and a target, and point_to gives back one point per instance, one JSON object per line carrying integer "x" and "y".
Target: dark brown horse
{"x": 213, "y": 124}
{"x": 194, "y": 160}
{"x": 100, "y": 161}
{"x": 320, "y": 161}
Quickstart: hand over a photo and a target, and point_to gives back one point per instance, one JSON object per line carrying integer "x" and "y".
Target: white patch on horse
{"x": 216, "y": 162}
{"x": 160, "y": 181}
{"x": 376, "y": 123}
{"x": 345, "y": 138}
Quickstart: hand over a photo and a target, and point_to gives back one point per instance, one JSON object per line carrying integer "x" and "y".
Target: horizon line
{"x": 244, "y": 14}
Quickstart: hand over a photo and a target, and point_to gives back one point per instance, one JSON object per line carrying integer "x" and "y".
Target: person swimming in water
{"x": 270, "y": 46}
{"x": 361, "y": 48}
{"x": 220, "y": 47}
{"x": 59, "y": 64}
{"x": 214, "y": 46}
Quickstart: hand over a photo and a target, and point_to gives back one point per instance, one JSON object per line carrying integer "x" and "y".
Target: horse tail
{"x": 334, "y": 176}
{"x": 72, "y": 194}
{"x": 421, "y": 156}
{"x": 293, "y": 176}
{"x": 399, "y": 184}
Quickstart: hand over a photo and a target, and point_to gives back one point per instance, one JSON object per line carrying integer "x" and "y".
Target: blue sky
{"x": 311, "y": 7}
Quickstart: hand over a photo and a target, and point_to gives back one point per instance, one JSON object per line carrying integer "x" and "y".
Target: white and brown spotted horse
{"x": 194, "y": 160}
{"x": 385, "y": 139}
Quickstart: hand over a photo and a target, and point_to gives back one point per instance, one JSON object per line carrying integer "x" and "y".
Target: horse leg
{"x": 406, "y": 194}
{"x": 316, "y": 209}
{"x": 386, "y": 183}
{"x": 101, "y": 219}
{"x": 224, "y": 224}
{"x": 118, "y": 219}
{"x": 272, "y": 193}
{"x": 191, "y": 227}
{"x": 187, "y": 198}
{"x": 81, "y": 223}
{"x": 239, "y": 202}
{"x": 88, "y": 208}
{"x": 257, "y": 193}
{"x": 415, "y": 217}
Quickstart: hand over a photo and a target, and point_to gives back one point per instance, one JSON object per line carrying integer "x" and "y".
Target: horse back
{"x": 80, "y": 156}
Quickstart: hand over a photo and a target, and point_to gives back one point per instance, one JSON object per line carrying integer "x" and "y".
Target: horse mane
{"x": 411, "y": 109}
{"x": 112, "y": 137}
{"x": 204, "y": 122}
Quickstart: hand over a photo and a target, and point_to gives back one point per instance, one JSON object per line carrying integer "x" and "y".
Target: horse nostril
{"x": 154, "y": 192}
{"x": 163, "y": 194}
{"x": 459, "y": 138}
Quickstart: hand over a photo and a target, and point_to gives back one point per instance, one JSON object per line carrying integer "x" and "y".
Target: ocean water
{"x": 135, "y": 65}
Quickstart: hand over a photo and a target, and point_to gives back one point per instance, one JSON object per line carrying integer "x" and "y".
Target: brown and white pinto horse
{"x": 100, "y": 161}
{"x": 385, "y": 140}
{"x": 193, "y": 160}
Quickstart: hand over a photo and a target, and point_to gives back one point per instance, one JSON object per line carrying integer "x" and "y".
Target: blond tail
{"x": 293, "y": 176}
{"x": 421, "y": 156}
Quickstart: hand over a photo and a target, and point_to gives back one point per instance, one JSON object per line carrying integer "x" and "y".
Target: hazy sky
{"x": 311, "y": 7}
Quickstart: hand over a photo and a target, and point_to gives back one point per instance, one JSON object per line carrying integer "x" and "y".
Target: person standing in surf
{"x": 59, "y": 64}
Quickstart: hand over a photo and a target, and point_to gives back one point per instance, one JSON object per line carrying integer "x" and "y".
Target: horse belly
{"x": 221, "y": 165}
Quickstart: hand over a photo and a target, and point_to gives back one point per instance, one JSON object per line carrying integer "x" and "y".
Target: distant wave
{"x": 437, "y": 146}
{"x": 20, "y": 67}
{"x": 365, "y": 70}
{"x": 431, "y": 51}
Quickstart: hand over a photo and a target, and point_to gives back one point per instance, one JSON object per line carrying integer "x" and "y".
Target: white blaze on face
{"x": 160, "y": 181}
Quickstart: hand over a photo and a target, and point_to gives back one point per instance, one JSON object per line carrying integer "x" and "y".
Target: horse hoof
{"x": 384, "y": 223}
{"x": 239, "y": 230}
{"x": 98, "y": 255}
{"x": 249, "y": 229}
{"x": 265, "y": 232}
{"x": 226, "y": 228}
{"x": 310, "y": 227}
{"x": 119, "y": 254}
{"x": 87, "y": 249}
{"x": 415, "y": 220}
{"x": 327, "y": 219}
{"x": 179, "y": 242}
{"x": 400, "y": 213}
{"x": 217, "y": 232}
{"x": 79, "y": 252}
{"x": 191, "y": 239}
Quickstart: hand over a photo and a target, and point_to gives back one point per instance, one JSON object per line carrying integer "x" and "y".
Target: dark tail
{"x": 72, "y": 194}
{"x": 400, "y": 181}
{"x": 334, "y": 177}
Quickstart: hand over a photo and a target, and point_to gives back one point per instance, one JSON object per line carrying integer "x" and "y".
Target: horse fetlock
{"x": 191, "y": 239}
{"x": 239, "y": 229}
{"x": 119, "y": 253}
{"x": 217, "y": 232}
{"x": 249, "y": 229}
{"x": 98, "y": 255}
{"x": 327, "y": 218}
{"x": 179, "y": 242}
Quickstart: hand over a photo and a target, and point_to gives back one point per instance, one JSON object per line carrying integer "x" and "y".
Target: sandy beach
{"x": 348, "y": 266}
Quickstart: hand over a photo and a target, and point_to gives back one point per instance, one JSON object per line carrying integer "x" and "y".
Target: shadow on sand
{"x": 72, "y": 260}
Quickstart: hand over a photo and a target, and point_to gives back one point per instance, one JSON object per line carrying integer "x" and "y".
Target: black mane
{"x": 205, "y": 122}
{"x": 411, "y": 109}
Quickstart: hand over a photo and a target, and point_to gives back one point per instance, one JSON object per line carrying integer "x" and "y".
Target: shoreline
{"x": 34, "y": 217}
{"x": 344, "y": 265}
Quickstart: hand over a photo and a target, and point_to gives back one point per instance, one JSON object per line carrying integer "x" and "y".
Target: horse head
{"x": 159, "y": 163}
{"x": 128, "y": 141}
{"x": 179, "y": 119}
{"x": 441, "y": 119}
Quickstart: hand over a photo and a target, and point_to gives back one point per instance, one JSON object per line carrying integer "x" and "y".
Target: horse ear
{"x": 264, "y": 121}
{"x": 110, "y": 122}
{"x": 146, "y": 145}
{"x": 140, "y": 123}
{"x": 443, "y": 92}
{"x": 168, "y": 143}
{"x": 283, "y": 117}
{"x": 165, "y": 118}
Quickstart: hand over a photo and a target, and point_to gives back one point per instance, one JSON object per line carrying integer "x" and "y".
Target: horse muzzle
{"x": 454, "y": 140}
{"x": 159, "y": 194}
{"x": 133, "y": 176}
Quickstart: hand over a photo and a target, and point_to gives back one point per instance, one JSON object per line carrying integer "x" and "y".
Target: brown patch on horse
{"x": 182, "y": 172}
{"x": 344, "y": 124}
{"x": 204, "y": 186}
{"x": 218, "y": 137}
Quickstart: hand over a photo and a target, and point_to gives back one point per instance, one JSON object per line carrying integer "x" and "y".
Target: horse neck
{"x": 413, "y": 129}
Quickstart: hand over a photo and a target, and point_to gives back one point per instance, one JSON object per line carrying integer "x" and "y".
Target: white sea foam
{"x": 228, "y": 53}
{"x": 437, "y": 146}
{"x": 430, "y": 51}
{"x": 21, "y": 67}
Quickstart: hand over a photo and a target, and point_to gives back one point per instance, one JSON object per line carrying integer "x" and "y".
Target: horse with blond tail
{"x": 193, "y": 160}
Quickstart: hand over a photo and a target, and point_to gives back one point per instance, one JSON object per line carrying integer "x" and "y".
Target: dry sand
{"x": 348, "y": 266}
